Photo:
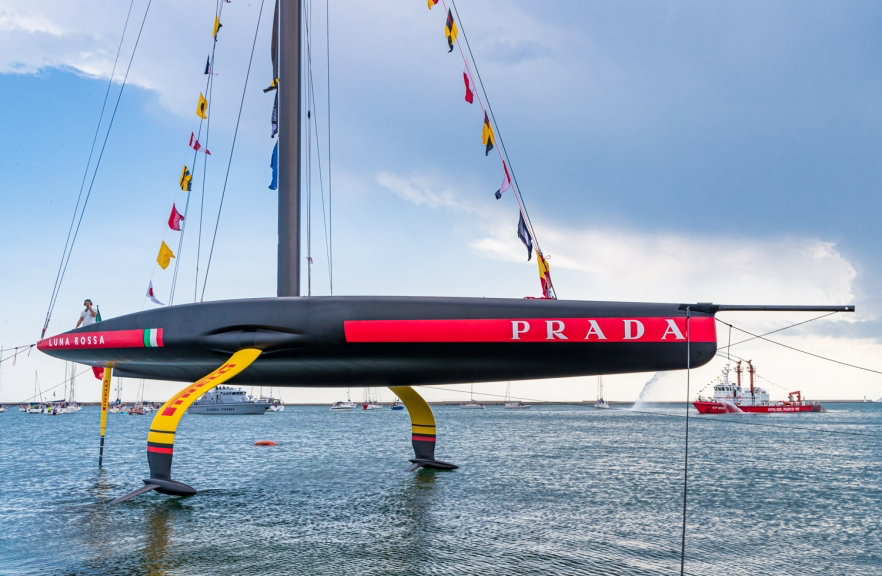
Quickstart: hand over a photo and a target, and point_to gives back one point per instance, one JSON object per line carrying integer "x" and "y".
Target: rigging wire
{"x": 773, "y": 331}
{"x": 308, "y": 5}
{"x": 762, "y": 337}
{"x": 686, "y": 443}
{"x": 16, "y": 352}
{"x": 502, "y": 151}
{"x": 68, "y": 246}
{"x": 311, "y": 94}
{"x": 205, "y": 160}
{"x": 330, "y": 187}
{"x": 209, "y": 87}
{"x": 43, "y": 392}
{"x": 232, "y": 150}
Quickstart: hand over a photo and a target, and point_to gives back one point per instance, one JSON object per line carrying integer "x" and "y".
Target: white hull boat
{"x": 227, "y": 401}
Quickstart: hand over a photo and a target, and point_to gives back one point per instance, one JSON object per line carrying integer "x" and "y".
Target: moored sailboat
{"x": 600, "y": 402}
{"x": 472, "y": 405}
{"x": 512, "y": 405}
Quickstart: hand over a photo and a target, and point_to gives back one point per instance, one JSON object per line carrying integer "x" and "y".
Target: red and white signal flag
{"x": 195, "y": 145}
{"x": 151, "y": 295}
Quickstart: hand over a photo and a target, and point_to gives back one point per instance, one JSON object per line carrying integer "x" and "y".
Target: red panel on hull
{"x": 532, "y": 330}
{"x": 103, "y": 339}
{"x": 721, "y": 408}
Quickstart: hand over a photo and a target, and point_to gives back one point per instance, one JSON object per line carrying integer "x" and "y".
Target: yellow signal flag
{"x": 450, "y": 30}
{"x": 202, "y": 107}
{"x": 217, "y": 26}
{"x": 543, "y": 265}
{"x": 487, "y": 135}
{"x": 165, "y": 256}
{"x": 186, "y": 182}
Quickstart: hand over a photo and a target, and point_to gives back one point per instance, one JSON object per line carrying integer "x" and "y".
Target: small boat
{"x": 70, "y": 405}
{"x": 733, "y": 399}
{"x": 509, "y": 405}
{"x": 397, "y": 404}
{"x": 370, "y": 403}
{"x": 225, "y": 400}
{"x": 137, "y": 410}
{"x": 600, "y": 403}
{"x": 2, "y": 408}
{"x": 340, "y": 406}
{"x": 472, "y": 405}
{"x": 35, "y": 407}
{"x": 276, "y": 404}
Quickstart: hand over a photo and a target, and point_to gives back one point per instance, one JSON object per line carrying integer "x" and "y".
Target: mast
{"x": 289, "y": 148}
{"x": 738, "y": 371}
{"x": 751, "y": 370}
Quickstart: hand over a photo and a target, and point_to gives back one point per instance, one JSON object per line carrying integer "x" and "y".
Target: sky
{"x": 667, "y": 151}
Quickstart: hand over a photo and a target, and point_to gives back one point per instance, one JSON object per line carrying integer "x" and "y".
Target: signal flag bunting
{"x": 175, "y": 219}
{"x": 151, "y": 295}
{"x": 450, "y": 31}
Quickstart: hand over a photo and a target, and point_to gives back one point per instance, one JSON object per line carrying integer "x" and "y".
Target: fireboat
{"x": 733, "y": 399}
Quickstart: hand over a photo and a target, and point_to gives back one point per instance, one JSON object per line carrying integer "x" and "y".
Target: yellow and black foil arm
{"x": 161, "y": 438}
{"x": 422, "y": 423}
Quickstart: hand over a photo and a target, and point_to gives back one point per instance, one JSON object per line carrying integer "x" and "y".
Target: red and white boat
{"x": 733, "y": 399}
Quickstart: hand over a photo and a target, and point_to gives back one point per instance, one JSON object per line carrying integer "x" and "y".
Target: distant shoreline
{"x": 488, "y": 403}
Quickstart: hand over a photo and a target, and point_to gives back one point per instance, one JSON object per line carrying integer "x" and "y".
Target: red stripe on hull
{"x": 720, "y": 408}
{"x": 423, "y": 438}
{"x": 532, "y": 330}
{"x": 104, "y": 339}
{"x": 160, "y": 450}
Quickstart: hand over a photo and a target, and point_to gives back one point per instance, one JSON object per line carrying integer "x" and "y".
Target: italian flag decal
{"x": 152, "y": 338}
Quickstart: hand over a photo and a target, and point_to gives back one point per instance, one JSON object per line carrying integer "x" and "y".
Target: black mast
{"x": 289, "y": 148}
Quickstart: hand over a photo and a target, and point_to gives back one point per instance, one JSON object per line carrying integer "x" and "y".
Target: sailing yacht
{"x": 600, "y": 402}
{"x": 35, "y": 407}
{"x": 70, "y": 405}
{"x": 472, "y": 405}
{"x": 370, "y": 403}
{"x": 340, "y": 406}
{"x": 509, "y": 405}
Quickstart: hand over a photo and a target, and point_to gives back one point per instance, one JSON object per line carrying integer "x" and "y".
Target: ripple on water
{"x": 564, "y": 490}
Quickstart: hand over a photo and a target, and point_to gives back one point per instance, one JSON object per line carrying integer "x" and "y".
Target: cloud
{"x": 517, "y": 52}
{"x": 419, "y": 191}
{"x": 626, "y": 264}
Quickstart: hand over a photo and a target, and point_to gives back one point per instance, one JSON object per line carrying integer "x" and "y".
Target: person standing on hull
{"x": 87, "y": 316}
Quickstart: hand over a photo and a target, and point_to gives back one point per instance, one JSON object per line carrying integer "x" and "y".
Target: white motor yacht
{"x": 225, "y": 400}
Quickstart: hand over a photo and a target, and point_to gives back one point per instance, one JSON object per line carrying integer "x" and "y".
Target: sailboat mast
{"x": 289, "y": 147}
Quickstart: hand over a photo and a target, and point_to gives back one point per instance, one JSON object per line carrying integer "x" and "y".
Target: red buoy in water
{"x": 264, "y": 443}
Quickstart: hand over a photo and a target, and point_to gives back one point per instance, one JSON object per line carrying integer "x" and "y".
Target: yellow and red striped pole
{"x": 105, "y": 399}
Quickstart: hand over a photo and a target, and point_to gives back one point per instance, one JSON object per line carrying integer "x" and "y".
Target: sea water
{"x": 550, "y": 490}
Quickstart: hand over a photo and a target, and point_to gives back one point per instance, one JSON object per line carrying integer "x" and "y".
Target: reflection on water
{"x": 565, "y": 490}
{"x": 158, "y": 532}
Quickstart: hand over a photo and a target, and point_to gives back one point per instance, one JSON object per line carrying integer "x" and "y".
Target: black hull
{"x": 304, "y": 342}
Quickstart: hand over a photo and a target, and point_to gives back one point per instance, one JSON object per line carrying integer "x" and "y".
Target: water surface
{"x": 553, "y": 489}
